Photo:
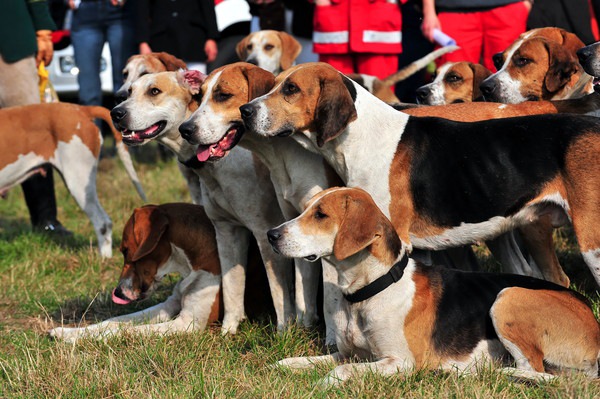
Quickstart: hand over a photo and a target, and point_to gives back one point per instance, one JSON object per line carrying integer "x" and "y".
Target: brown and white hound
{"x": 272, "y": 50}
{"x": 63, "y": 135}
{"x": 442, "y": 183}
{"x": 540, "y": 65}
{"x": 398, "y": 315}
{"x": 455, "y": 82}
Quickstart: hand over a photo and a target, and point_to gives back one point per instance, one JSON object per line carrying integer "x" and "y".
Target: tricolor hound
{"x": 442, "y": 183}
{"x": 401, "y": 316}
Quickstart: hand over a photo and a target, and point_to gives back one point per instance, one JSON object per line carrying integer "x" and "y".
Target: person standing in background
{"x": 25, "y": 41}
{"x": 358, "y": 36}
{"x": 481, "y": 28}
{"x": 233, "y": 22}
{"x": 186, "y": 29}
{"x": 94, "y": 23}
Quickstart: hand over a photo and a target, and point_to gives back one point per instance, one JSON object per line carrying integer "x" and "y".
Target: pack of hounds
{"x": 339, "y": 184}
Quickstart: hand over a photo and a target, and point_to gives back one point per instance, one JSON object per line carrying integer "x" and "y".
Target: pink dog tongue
{"x": 119, "y": 301}
{"x": 203, "y": 153}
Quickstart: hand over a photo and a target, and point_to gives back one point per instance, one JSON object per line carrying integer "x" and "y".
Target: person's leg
{"x": 120, "y": 35}
{"x": 342, "y": 62}
{"x": 466, "y": 28}
{"x": 19, "y": 83}
{"x": 502, "y": 26}
{"x": 88, "y": 37}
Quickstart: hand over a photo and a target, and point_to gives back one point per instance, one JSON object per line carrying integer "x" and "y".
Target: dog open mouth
{"x": 138, "y": 136}
{"x": 222, "y": 147}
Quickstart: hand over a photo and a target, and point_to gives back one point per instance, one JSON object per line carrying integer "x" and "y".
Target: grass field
{"x": 44, "y": 283}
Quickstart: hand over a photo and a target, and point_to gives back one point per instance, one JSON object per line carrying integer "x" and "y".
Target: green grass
{"x": 44, "y": 283}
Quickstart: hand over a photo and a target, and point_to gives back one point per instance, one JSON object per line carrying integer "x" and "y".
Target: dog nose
{"x": 187, "y": 129}
{"x": 584, "y": 54}
{"x": 118, "y": 113}
{"x": 120, "y": 96}
{"x": 422, "y": 94}
{"x": 247, "y": 111}
{"x": 487, "y": 87}
{"x": 273, "y": 235}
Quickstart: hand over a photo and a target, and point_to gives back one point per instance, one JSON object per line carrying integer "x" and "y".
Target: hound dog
{"x": 400, "y": 315}
{"x": 65, "y": 136}
{"x": 588, "y": 58}
{"x": 272, "y": 50}
{"x": 237, "y": 193}
{"x": 540, "y": 65}
{"x": 442, "y": 183}
{"x": 297, "y": 174}
{"x": 455, "y": 82}
{"x": 143, "y": 64}
{"x": 158, "y": 240}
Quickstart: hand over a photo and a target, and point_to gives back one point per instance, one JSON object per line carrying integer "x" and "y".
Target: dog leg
{"x": 78, "y": 167}
{"x": 232, "y": 243}
{"x": 307, "y": 285}
{"x": 157, "y": 313}
{"x": 332, "y": 295}
{"x": 386, "y": 366}
{"x": 308, "y": 362}
{"x": 538, "y": 239}
{"x": 279, "y": 273}
{"x": 507, "y": 251}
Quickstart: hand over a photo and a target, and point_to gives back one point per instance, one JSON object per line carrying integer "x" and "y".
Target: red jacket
{"x": 361, "y": 26}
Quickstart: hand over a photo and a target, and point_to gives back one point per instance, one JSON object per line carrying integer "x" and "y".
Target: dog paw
{"x": 64, "y": 334}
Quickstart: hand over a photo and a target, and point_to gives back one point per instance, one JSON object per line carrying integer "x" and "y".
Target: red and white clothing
{"x": 363, "y": 36}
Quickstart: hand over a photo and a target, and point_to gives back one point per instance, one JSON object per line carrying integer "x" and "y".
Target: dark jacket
{"x": 19, "y": 20}
{"x": 178, "y": 27}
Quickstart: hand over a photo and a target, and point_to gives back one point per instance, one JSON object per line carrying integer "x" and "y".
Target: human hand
{"x": 429, "y": 24}
{"x": 145, "y": 48}
{"x": 322, "y": 2}
{"x": 211, "y": 50}
{"x": 45, "y": 47}
{"x": 117, "y": 2}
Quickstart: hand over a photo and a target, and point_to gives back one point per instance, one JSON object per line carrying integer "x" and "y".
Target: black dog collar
{"x": 380, "y": 284}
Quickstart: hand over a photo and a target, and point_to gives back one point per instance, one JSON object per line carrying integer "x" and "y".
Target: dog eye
{"x": 154, "y": 91}
{"x": 221, "y": 97}
{"x": 249, "y": 47}
{"x": 125, "y": 74}
{"x": 269, "y": 47}
{"x": 453, "y": 78}
{"x": 521, "y": 61}
{"x": 320, "y": 215}
{"x": 291, "y": 88}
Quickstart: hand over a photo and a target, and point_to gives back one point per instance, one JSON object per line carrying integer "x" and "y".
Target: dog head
{"x": 156, "y": 105}
{"x": 338, "y": 222}
{"x": 308, "y": 97}
{"x": 272, "y": 50}
{"x": 139, "y": 65}
{"x": 145, "y": 252}
{"x": 456, "y": 82}
{"x": 217, "y": 126}
{"x": 590, "y": 61}
{"x": 540, "y": 65}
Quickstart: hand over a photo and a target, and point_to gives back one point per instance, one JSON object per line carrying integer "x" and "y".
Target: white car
{"x": 63, "y": 72}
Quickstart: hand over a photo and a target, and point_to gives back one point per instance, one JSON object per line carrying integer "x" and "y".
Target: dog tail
{"x": 417, "y": 65}
{"x": 104, "y": 114}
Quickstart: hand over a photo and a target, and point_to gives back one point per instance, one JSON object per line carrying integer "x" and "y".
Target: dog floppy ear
{"x": 562, "y": 65}
{"x": 335, "y": 108}
{"x": 149, "y": 224}
{"x": 290, "y": 50}
{"x": 480, "y": 73}
{"x": 241, "y": 48}
{"x": 171, "y": 62}
{"x": 571, "y": 42}
{"x": 359, "y": 228}
{"x": 191, "y": 79}
{"x": 260, "y": 81}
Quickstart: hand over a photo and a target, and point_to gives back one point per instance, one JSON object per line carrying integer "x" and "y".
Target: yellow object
{"x": 47, "y": 92}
